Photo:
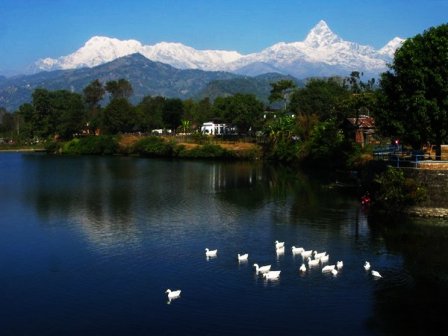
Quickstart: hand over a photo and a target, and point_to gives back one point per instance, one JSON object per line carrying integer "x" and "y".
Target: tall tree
{"x": 93, "y": 93}
{"x": 415, "y": 90}
{"x": 44, "y": 116}
{"x": 320, "y": 97}
{"x": 149, "y": 113}
{"x": 242, "y": 110}
{"x": 53, "y": 113}
{"x": 69, "y": 112}
{"x": 119, "y": 116}
{"x": 172, "y": 113}
{"x": 119, "y": 89}
{"x": 26, "y": 117}
{"x": 281, "y": 90}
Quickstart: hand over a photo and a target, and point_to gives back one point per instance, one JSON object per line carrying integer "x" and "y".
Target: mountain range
{"x": 146, "y": 77}
{"x": 322, "y": 53}
{"x": 176, "y": 70}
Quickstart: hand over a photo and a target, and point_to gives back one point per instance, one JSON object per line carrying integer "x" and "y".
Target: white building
{"x": 211, "y": 128}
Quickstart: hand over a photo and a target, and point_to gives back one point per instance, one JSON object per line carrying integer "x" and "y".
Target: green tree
{"x": 172, "y": 113}
{"x": 198, "y": 112}
{"x": 415, "y": 90}
{"x": 70, "y": 113}
{"x": 356, "y": 85}
{"x": 43, "y": 120}
{"x": 119, "y": 116}
{"x": 393, "y": 192}
{"x": 242, "y": 110}
{"x": 9, "y": 124}
{"x": 186, "y": 124}
{"x": 93, "y": 94}
{"x": 119, "y": 89}
{"x": 281, "y": 90}
{"x": 149, "y": 113}
{"x": 53, "y": 113}
{"x": 320, "y": 97}
{"x": 282, "y": 144}
{"x": 325, "y": 145}
{"x": 25, "y": 118}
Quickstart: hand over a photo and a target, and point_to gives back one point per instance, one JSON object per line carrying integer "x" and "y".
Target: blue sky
{"x": 33, "y": 29}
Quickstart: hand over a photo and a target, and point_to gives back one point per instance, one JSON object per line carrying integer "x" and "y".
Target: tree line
{"x": 64, "y": 114}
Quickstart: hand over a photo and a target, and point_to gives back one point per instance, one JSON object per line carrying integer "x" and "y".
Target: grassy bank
{"x": 156, "y": 146}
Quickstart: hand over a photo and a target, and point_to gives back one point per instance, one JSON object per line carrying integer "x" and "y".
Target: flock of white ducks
{"x": 313, "y": 258}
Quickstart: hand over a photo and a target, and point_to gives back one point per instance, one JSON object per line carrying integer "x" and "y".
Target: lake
{"x": 89, "y": 245}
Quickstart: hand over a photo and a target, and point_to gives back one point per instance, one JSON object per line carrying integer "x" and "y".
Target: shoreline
{"x": 428, "y": 212}
{"x": 23, "y": 150}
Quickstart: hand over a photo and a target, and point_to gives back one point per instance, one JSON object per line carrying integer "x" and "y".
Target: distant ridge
{"x": 147, "y": 78}
{"x": 260, "y": 86}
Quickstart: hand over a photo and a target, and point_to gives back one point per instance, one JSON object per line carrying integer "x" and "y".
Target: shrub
{"x": 394, "y": 192}
{"x": 358, "y": 156}
{"x": 93, "y": 145}
{"x": 154, "y": 147}
{"x": 53, "y": 147}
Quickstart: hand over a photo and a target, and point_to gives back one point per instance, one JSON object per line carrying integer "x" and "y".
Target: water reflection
{"x": 409, "y": 300}
{"x": 103, "y": 195}
{"x": 150, "y": 220}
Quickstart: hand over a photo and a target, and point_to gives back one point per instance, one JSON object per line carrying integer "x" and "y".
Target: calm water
{"x": 89, "y": 245}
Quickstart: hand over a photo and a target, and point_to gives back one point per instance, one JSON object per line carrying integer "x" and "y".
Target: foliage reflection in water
{"x": 89, "y": 245}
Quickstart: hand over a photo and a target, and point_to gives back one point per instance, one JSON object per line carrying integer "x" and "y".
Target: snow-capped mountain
{"x": 389, "y": 49}
{"x": 322, "y": 53}
{"x": 99, "y": 50}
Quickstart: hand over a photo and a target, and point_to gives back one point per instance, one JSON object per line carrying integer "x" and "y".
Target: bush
{"x": 359, "y": 157}
{"x": 155, "y": 147}
{"x": 394, "y": 192}
{"x": 93, "y": 145}
{"x": 53, "y": 147}
{"x": 283, "y": 151}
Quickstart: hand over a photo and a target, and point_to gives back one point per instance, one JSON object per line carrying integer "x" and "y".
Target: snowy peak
{"x": 100, "y": 49}
{"x": 321, "y": 35}
{"x": 390, "y": 48}
{"x": 322, "y": 53}
{"x": 97, "y": 50}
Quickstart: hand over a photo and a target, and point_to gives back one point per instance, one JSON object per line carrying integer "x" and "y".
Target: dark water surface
{"x": 89, "y": 245}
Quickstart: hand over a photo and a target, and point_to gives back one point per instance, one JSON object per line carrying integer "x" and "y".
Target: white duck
{"x": 307, "y": 254}
{"x": 173, "y": 294}
{"x": 262, "y": 269}
{"x": 243, "y": 257}
{"x": 334, "y": 272}
{"x": 339, "y": 264}
{"x": 280, "y": 251}
{"x": 324, "y": 259}
{"x": 302, "y": 268}
{"x": 319, "y": 255}
{"x": 297, "y": 250}
{"x": 376, "y": 274}
{"x": 313, "y": 262}
{"x": 279, "y": 244}
{"x": 328, "y": 268}
{"x": 272, "y": 275}
{"x": 367, "y": 266}
{"x": 211, "y": 253}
